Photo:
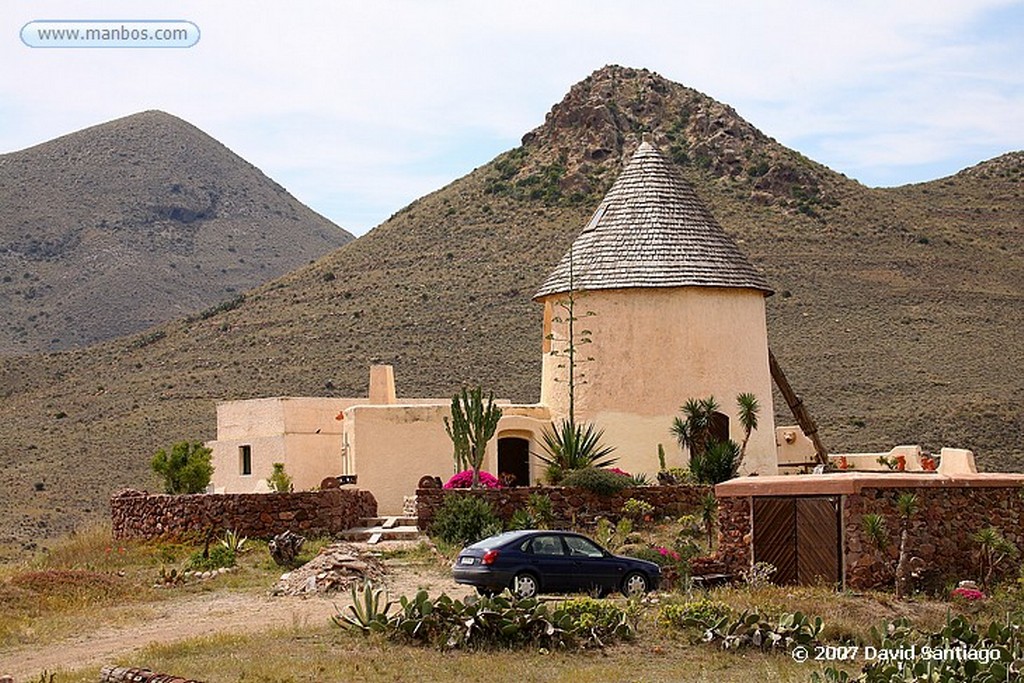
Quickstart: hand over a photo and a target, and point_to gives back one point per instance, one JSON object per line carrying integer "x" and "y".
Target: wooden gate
{"x": 800, "y": 536}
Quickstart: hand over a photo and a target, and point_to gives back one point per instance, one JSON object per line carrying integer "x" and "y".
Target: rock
{"x": 284, "y": 548}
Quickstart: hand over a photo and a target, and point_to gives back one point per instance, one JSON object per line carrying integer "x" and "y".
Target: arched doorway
{"x": 718, "y": 430}
{"x": 514, "y": 459}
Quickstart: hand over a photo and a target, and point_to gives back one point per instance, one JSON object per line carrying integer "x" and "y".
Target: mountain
{"x": 895, "y": 313}
{"x": 134, "y": 222}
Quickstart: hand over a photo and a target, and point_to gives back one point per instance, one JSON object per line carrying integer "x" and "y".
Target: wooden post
{"x": 800, "y": 412}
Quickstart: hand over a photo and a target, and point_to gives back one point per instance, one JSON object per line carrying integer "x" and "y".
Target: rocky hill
{"x": 895, "y": 314}
{"x": 113, "y": 229}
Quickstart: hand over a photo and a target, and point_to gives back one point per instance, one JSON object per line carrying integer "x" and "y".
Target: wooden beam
{"x": 796, "y": 404}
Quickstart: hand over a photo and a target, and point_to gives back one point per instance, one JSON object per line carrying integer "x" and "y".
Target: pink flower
{"x": 616, "y": 470}
{"x": 464, "y": 479}
{"x": 970, "y": 594}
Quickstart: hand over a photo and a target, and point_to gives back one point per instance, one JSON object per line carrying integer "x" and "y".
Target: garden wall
{"x": 950, "y": 509}
{"x": 136, "y": 514}
{"x": 568, "y": 504}
{"x": 939, "y": 532}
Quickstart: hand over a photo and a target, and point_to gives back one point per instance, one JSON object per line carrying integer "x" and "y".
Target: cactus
{"x": 471, "y": 426}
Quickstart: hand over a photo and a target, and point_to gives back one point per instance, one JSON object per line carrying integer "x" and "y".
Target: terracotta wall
{"x": 569, "y": 504}
{"x": 136, "y": 514}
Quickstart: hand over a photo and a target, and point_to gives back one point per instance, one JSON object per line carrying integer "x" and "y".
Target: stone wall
{"x": 734, "y": 534}
{"x": 939, "y": 533}
{"x": 570, "y": 505}
{"x": 136, "y": 514}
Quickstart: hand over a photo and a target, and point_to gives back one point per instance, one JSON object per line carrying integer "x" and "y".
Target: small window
{"x": 596, "y": 218}
{"x": 245, "y": 459}
{"x": 580, "y": 546}
{"x": 548, "y": 545}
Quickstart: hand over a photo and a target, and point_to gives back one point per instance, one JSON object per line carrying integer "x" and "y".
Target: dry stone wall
{"x": 734, "y": 534}
{"x": 939, "y": 533}
{"x": 140, "y": 515}
{"x": 569, "y": 505}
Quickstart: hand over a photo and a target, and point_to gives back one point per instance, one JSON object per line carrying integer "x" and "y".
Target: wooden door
{"x": 800, "y": 537}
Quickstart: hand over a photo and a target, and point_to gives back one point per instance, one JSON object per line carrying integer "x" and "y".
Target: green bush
{"x": 216, "y": 557}
{"x": 463, "y": 520}
{"x": 599, "y": 481}
{"x": 186, "y": 469}
{"x": 696, "y": 615}
{"x": 279, "y": 480}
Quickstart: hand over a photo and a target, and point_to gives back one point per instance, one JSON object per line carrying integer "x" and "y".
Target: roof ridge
{"x": 652, "y": 230}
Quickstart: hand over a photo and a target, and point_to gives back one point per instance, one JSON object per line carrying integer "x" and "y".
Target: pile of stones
{"x": 336, "y": 568}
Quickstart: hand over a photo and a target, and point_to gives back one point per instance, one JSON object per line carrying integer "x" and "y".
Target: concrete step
{"x": 373, "y": 534}
{"x": 389, "y": 522}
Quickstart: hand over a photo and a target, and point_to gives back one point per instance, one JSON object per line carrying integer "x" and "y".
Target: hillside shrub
{"x": 596, "y": 480}
{"x": 464, "y": 520}
{"x": 185, "y": 469}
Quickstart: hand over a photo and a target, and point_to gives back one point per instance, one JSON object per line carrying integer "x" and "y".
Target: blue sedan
{"x": 534, "y": 561}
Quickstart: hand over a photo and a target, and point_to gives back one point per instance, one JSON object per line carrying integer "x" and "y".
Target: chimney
{"x": 382, "y": 385}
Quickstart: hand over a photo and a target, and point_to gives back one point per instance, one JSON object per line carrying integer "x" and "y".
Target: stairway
{"x": 376, "y": 529}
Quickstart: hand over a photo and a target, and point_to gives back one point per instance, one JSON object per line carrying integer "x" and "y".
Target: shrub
{"x": 637, "y": 510}
{"x": 599, "y": 481}
{"x": 214, "y": 558}
{"x": 698, "y": 615}
{"x": 279, "y": 480}
{"x": 718, "y": 463}
{"x": 464, "y": 479}
{"x": 463, "y": 520}
{"x": 186, "y": 469}
{"x": 571, "y": 446}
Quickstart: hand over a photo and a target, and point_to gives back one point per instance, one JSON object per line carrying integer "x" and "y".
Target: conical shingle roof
{"x": 651, "y": 230}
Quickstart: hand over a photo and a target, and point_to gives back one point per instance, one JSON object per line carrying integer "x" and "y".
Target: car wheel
{"x": 525, "y": 585}
{"x": 635, "y": 583}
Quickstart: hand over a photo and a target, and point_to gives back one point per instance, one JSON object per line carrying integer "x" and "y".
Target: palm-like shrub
{"x": 719, "y": 462}
{"x": 572, "y": 446}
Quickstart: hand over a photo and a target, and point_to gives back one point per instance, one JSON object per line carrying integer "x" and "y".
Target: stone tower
{"x": 674, "y": 311}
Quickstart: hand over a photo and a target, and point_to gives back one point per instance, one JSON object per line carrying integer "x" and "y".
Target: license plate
{"x": 465, "y": 560}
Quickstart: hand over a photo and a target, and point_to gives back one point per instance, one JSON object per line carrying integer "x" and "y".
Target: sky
{"x": 358, "y": 108}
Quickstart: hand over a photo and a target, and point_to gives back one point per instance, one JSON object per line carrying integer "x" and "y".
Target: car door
{"x": 591, "y": 565}
{"x": 548, "y": 555}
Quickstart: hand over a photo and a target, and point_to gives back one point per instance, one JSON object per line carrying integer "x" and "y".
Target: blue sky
{"x": 358, "y": 108}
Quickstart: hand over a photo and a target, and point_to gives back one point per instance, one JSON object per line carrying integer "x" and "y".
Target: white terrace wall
{"x": 392, "y": 446}
{"x": 303, "y": 433}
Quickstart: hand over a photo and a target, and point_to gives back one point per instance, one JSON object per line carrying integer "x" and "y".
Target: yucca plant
{"x": 572, "y": 446}
{"x": 994, "y": 549}
{"x": 748, "y": 411}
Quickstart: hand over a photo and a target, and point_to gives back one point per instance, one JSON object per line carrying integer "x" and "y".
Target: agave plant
{"x": 571, "y": 446}
{"x": 366, "y": 612}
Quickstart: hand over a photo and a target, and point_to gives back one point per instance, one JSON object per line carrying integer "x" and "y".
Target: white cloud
{"x": 357, "y": 104}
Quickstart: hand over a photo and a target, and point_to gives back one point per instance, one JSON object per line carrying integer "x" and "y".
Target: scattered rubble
{"x": 337, "y": 567}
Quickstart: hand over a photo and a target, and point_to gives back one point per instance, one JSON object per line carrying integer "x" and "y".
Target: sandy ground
{"x": 201, "y": 615}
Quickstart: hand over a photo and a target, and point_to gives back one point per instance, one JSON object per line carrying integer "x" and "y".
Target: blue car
{"x": 537, "y": 561}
